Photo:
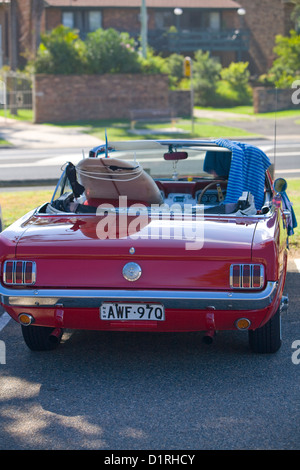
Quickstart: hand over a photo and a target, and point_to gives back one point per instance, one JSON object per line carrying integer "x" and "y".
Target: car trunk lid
{"x": 172, "y": 254}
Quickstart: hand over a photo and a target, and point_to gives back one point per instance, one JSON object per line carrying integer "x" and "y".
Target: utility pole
{"x": 144, "y": 28}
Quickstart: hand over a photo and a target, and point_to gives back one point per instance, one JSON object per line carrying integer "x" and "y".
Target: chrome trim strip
{"x": 185, "y": 300}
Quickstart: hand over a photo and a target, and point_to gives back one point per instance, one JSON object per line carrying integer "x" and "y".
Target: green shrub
{"x": 221, "y": 87}
{"x": 152, "y": 63}
{"x": 206, "y": 74}
{"x": 174, "y": 68}
{"x": 61, "y": 52}
{"x": 108, "y": 51}
{"x": 234, "y": 87}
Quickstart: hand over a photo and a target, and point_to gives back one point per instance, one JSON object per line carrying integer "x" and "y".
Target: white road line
{"x": 297, "y": 263}
{"x": 283, "y": 154}
{"x": 288, "y": 170}
{"x": 4, "y": 319}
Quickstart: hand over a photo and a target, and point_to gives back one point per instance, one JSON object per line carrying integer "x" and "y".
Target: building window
{"x": 86, "y": 21}
{"x": 68, "y": 19}
{"x": 214, "y": 20}
{"x": 95, "y": 20}
{"x": 211, "y": 20}
{"x": 164, "y": 19}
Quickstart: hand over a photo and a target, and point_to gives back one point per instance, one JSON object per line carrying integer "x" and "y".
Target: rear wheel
{"x": 267, "y": 339}
{"x": 38, "y": 338}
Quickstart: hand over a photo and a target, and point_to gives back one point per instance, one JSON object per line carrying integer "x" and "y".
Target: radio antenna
{"x": 106, "y": 145}
{"x": 275, "y": 128}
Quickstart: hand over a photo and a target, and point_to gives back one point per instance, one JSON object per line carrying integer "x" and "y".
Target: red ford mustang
{"x": 161, "y": 236}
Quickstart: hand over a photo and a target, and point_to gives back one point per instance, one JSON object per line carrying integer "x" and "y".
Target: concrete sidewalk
{"x": 286, "y": 127}
{"x": 24, "y": 134}
{"x": 28, "y": 135}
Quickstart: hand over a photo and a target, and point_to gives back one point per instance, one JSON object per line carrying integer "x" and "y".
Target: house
{"x": 172, "y": 26}
{"x": 231, "y": 30}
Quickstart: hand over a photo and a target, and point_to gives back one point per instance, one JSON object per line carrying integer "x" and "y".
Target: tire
{"x": 37, "y": 338}
{"x": 267, "y": 339}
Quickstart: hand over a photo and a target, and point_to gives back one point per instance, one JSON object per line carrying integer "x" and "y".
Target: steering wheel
{"x": 208, "y": 186}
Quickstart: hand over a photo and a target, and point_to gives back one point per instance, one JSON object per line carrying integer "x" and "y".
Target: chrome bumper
{"x": 182, "y": 300}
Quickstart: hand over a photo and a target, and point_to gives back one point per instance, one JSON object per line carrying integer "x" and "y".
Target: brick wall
{"x": 122, "y": 19}
{"x": 264, "y": 100}
{"x": 180, "y": 102}
{"x": 265, "y": 19}
{"x": 61, "y": 98}
{"x": 52, "y": 18}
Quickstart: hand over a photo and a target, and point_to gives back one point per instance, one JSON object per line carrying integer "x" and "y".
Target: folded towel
{"x": 247, "y": 171}
{"x": 291, "y": 220}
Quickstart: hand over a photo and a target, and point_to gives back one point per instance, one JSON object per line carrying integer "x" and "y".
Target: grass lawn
{"x": 27, "y": 114}
{"x": 15, "y": 204}
{"x": 23, "y": 115}
{"x": 121, "y": 129}
{"x": 293, "y": 191}
{"x": 4, "y": 142}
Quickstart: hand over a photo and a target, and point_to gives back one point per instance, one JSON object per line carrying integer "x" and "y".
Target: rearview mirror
{"x": 280, "y": 185}
{"x": 175, "y": 155}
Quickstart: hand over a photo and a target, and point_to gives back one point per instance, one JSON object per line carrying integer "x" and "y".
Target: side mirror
{"x": 280, "y": 185}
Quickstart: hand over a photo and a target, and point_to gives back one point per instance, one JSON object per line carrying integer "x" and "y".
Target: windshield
{"x": 152, "y": 173}
{"x": 63, "y": 187}
{"x": 202, "y": 161}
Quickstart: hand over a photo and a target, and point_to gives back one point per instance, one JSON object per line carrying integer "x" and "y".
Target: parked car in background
{"x": 200, "y": 244}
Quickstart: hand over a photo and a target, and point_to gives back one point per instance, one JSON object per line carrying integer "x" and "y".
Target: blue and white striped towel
{"x": 247, "y": 171}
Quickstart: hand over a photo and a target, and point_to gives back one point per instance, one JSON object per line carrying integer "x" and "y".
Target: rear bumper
{"x": 184, "y": 310}
{"x": 179, "y": 300}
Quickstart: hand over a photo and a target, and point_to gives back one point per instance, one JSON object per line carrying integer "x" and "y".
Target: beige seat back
{"x": 109, "y": 178}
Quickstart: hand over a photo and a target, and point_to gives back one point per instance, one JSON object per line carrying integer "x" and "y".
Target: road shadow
{"x": 117, "y": 390}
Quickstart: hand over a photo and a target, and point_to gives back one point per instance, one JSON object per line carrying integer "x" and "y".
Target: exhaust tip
{"x": 55, "y": 336}
{"x": 208, "y": 338}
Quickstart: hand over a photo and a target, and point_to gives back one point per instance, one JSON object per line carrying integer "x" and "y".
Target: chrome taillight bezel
{"x": 19, "y": 273}
{"x": 247, "y": 273}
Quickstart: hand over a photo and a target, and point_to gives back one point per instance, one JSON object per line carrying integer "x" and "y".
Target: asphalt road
{"x": 131, "y": 391}
{"x": 24, "y": 166}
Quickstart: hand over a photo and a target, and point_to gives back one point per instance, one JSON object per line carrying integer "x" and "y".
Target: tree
{"x": 286, "y": 67}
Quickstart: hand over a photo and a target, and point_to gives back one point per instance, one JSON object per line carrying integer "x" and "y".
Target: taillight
{"x": 247, "y": 276}
{"x": 19, "y": 272}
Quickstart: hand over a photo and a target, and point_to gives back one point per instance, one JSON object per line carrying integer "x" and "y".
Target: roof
{"x": 208, "y": 4}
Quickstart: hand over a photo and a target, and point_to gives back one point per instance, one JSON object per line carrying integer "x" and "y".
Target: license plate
{"x": 127, "y": 311}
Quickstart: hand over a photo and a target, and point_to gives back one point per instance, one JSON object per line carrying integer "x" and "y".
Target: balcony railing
{"x": 189, "y": 41}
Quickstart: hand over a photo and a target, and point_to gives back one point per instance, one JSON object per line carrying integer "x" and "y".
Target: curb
{"x": 28, "y": 183}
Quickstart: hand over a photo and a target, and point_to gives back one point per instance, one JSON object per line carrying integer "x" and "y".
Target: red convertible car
{"x": 160, "y": 236}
